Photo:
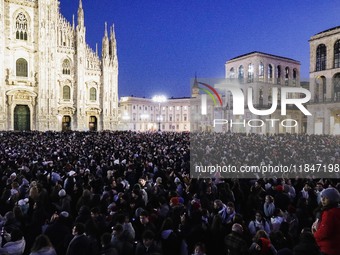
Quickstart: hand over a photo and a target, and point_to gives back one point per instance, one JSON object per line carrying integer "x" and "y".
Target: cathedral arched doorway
{"x": 66, "y": 123}
{"x": 93, "y": 123}
{"x": 22, "y": 118}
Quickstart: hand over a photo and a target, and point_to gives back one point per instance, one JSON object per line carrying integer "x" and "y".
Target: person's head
{"x": 218, "y": 204}
{"x": 260, "y": 234}
{"x": 117, "y": 229}
{"x": 330, "y": 196}
{"x": 230, "y": 207}
{"x": 95, "y": 212}
{"x": 306, "y": 187}
{"x": 237, "y": 228}
{"x": 258, "y": 216}
{"x": 78, "y": 229}
{"x": 40, "y": 242}
{"x": 199, "y": 249}
{"x": 148, "y": 237}
{"x": 269, "y": 199}
{"x": 319, "y": 187}
{"x": 142, "y": 182}
{"x": 144, "y": 217}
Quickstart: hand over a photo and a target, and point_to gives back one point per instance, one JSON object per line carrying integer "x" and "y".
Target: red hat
{"x": 279, "y": 188}
{"x": 174, "y": 200}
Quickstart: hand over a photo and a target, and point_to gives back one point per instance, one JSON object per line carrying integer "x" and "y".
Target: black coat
{"x": 79, "y": 245}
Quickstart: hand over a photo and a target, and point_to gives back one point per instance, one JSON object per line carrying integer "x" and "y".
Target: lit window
{"x": 250, "y": 73}
{"x": 261, "y": 72}
{"x": 241, "y": 72}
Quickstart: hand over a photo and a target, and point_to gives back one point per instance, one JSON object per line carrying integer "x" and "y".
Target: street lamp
{"x": 159, "y": 99}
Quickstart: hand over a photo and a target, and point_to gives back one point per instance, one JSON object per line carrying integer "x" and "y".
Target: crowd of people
{"x": 130, "y": 193}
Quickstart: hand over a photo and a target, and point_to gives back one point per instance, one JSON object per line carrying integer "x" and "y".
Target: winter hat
{"x": 174, "y": 200}
{"x": 332, "y": 194}
{"x": 64, "y": 214}
{"x": 62, "y": 193}
{"x": 177, "y": 180}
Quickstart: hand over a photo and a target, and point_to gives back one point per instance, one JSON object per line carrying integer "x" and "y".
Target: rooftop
{"x": 259, "y": 52}
{"x": 328, "y": 30}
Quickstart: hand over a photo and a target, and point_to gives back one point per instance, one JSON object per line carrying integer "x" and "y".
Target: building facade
{"x": 50, "y": 78}
{"x": 325, "y": 83}
{"x": 144, "y": 114}
{"x": 260, "y": 72}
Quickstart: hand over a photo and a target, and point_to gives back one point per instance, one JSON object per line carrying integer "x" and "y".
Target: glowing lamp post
{"x": 159, "y": 99}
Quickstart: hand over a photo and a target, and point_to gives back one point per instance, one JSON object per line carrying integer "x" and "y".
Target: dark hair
{"x": 16, "y": 235}
{"x": 41, "y": 241}
{"x": 144, "y": 213}
{"x": 80, "y": 228}
{"x": 148, "y": 235}
{"x": 167, "y": 224}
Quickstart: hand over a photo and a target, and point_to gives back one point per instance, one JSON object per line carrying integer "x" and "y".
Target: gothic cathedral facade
{"x": 50, "y": 79}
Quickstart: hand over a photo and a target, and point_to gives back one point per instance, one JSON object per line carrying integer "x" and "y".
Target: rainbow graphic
{"x": 211, "y": 91}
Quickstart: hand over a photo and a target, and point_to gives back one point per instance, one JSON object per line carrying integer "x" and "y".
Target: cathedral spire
{"x": 105, "y": 30}
{"x": 113, "y": 48}
{"x": 80, "y": 14}
{"x": 105, "y": 45}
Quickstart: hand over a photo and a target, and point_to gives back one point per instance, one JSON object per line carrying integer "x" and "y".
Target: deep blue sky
{"x": 163, "y": 43}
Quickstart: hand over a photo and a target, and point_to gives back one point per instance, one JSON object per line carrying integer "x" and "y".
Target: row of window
{"x": 67, "y": 93}
{"x": 321, "y": 88}
{"x": 261, "y": 73}
{"x": 163, "y": 117}
{"x": 156, "y": 108}
{"x": 321, "y": 56}
{"x": 171, "y": 127}
{"x": 22, "y": 67}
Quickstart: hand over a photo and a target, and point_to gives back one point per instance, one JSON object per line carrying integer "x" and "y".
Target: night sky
{"x": 163, "y": 43}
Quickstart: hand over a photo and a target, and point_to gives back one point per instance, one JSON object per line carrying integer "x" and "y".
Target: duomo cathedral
{"x": 50, "y": 78}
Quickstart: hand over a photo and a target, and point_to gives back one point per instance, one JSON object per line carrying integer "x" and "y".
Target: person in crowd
{"x": 259, "y": 223}
{"x": 106, "y": 247}
{"x": 148, "y": 246}
{"x": 276, "y": 220}
{"x": 122, "y": 240}
{"x": 59, "y": 231}
{"x": 15, "y": 243}
{"x": 170, "y": 241}
{"x": 199, "y": 249}
{"x": 261, "y": 244}
{"x": 306, "y": 245}
{"x": 42, "y": 246}
{"x": 269, "y": 206}
{"x": 109, "y": 165}
{"x": 327, "y": 229}
{"x": 80, "y": 244}
{"x": 235, "y": 242}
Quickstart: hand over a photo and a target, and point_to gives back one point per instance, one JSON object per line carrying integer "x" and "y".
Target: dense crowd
{"x": 130, "y": 193}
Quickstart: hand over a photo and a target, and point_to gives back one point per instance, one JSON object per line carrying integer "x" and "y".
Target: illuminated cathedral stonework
{"x": 50, "y": 78}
